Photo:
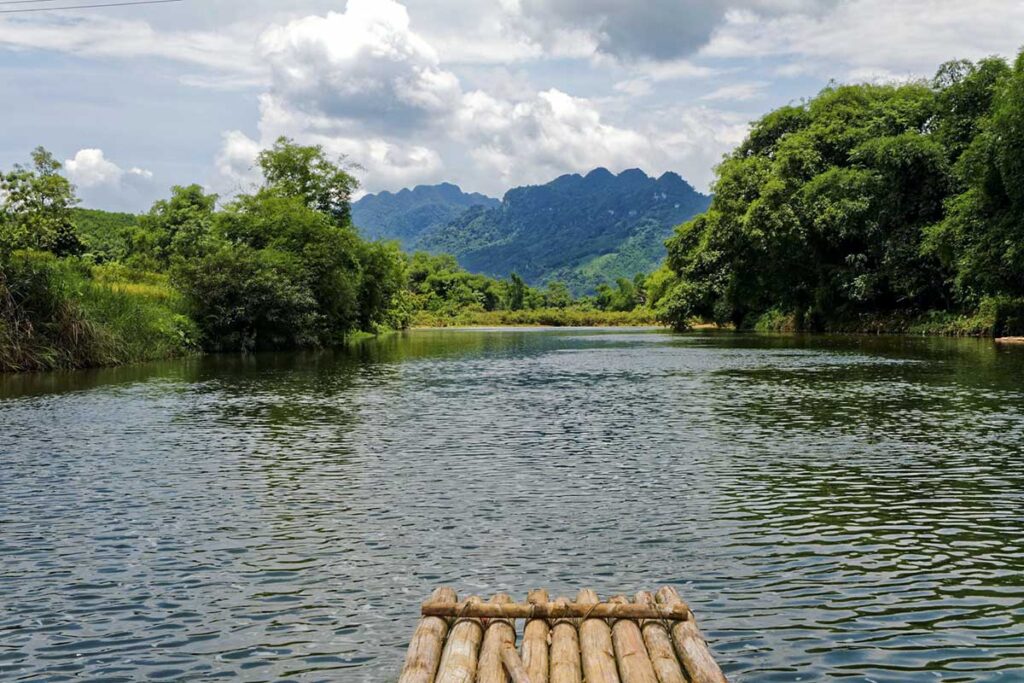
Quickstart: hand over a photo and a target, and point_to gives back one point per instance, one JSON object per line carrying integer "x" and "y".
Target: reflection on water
{"x": 832, "y": 507}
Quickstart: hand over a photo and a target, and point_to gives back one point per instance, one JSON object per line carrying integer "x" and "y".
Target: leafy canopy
{"x": 865, "y": 199}
{"x": 36, "y": 205}
{"x": 292, "y": 170}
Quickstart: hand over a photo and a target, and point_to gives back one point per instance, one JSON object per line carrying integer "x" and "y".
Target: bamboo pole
{"x": 630, "y": 651}
{"x": 565, "y": 651}
{"x": 659, "y": 646}
{"x": 459, "y": 660}
{"x": 427, "y": 642}
{"x": 535, "y": 641}
{"x": 500, "y": 633}
{"x": 514, "y": 665}
{"x": 690, "y": 646}
{"x": 554, "y": 610}
{"x": 596, "y": 649}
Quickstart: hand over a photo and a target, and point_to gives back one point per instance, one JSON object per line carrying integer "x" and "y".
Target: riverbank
{"x": 119, "y": 323}
{"x": 537, "y": 317}
{"x": 137, "y": 325}
{"x": 993, "y": 319}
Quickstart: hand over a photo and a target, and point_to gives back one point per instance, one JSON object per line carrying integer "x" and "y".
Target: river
{"x": 832, "y": 507}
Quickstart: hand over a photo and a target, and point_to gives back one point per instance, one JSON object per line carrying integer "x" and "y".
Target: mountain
{"x": 407, "y": 214}
{"x": 583, "y": 230}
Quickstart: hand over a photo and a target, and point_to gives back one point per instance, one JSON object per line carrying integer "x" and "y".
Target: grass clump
{"x": 53, "y": 315}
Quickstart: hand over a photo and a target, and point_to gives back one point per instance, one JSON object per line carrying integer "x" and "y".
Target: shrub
{"x": 1006, "y": 314}
{"x": 774, "y": 320}
{"x": 247, "y": 299}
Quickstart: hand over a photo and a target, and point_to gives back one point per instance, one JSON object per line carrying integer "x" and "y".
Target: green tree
{"x": 36, "y": 208}
{"x": 295, "y": 228}
{"x": 324, "y": 256}
{"x": 623, "y": 297}
{"x": 981, "y": 237}
{"x": 557, "y": 295}
{"x": 965, "y": 94}
{"x": 516, "y": 293}
{"x": 245, "y": 299}
{"x": 175, "y": 227}
{"x": 383, "y": 300}
{"x": 820, "y": 213}
{"x": 440, "y": 285}
{"x": 305, "y": 171}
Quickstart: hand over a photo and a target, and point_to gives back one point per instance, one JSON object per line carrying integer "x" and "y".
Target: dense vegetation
{"x": 581, "y": 230}
{"x": 445, "y": 294}
{"x": 869, "y": 206}
{"x": 279, "y": 268}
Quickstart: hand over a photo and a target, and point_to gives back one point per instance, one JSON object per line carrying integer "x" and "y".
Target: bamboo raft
{"x": 652, "y": 639}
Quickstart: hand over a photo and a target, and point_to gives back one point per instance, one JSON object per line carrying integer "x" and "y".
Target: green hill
{"x": 583, "y": 230}
{"x": 104, "y": 233}
{"x": 407, "y": 214}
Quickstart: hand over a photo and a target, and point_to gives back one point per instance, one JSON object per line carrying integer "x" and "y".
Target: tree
{"x": 325, "y": 256}
{"x": 516, "y": 292}
{"x": 175, "y": 227}
{"x": 441, "y": 285}
{"x": 245, "y": 299}
{"x": 557, "y": 295}
{"x": 383, "y": 285}
{"x": 623, "y": 297}
{"x": 965, "y": 94}
{"x": 305, "y": 171}
{"x": 981, "y": 237}
{"x": 820, "y": 213}
{"x": 36, "y": 206}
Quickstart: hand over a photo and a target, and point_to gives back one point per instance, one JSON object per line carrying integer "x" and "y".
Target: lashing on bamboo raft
{"x": 652, "y": 639}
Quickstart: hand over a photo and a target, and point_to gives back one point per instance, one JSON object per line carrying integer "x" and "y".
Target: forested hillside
{"x": 867, "y": 207}
{"x": 105, "y": 235}
{"x": 408, "y": 214}
{"x": 582, "y": 230}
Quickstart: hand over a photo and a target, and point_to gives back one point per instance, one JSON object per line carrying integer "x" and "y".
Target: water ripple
{"x": 833, "y": 508}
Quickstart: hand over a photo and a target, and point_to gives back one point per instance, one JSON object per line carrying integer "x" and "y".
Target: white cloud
{"x": 360, "y": 83}
{"x": 869, "y": 38}
{"x": 543, "y": 136}
{"x": 90, "y": 168}
{"x": 696, "y": 140}
{"x": 363, "y": 64}
{"x": 737, "y": 92}
{"x": 220, "y": 35}
{"x": 501, "y": 93}
{"x": 101, "y": 182}
{"x": 646, "y": 73}
{"x": 235, "y": 164}
{"x": 226, "y": 50}
{"x": 377, "y": 161}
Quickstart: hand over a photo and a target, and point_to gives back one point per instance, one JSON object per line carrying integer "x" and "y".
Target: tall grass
{"x": 55, "y": 314}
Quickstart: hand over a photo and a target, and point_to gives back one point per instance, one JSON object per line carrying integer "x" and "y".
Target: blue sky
{"x": 486, "y": 95}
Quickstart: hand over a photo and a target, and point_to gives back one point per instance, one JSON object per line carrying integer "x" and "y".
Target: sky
{"x": 486, "y": 94}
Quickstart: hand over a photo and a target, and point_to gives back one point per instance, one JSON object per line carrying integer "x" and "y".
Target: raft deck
{"x": 652, "y": 639}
